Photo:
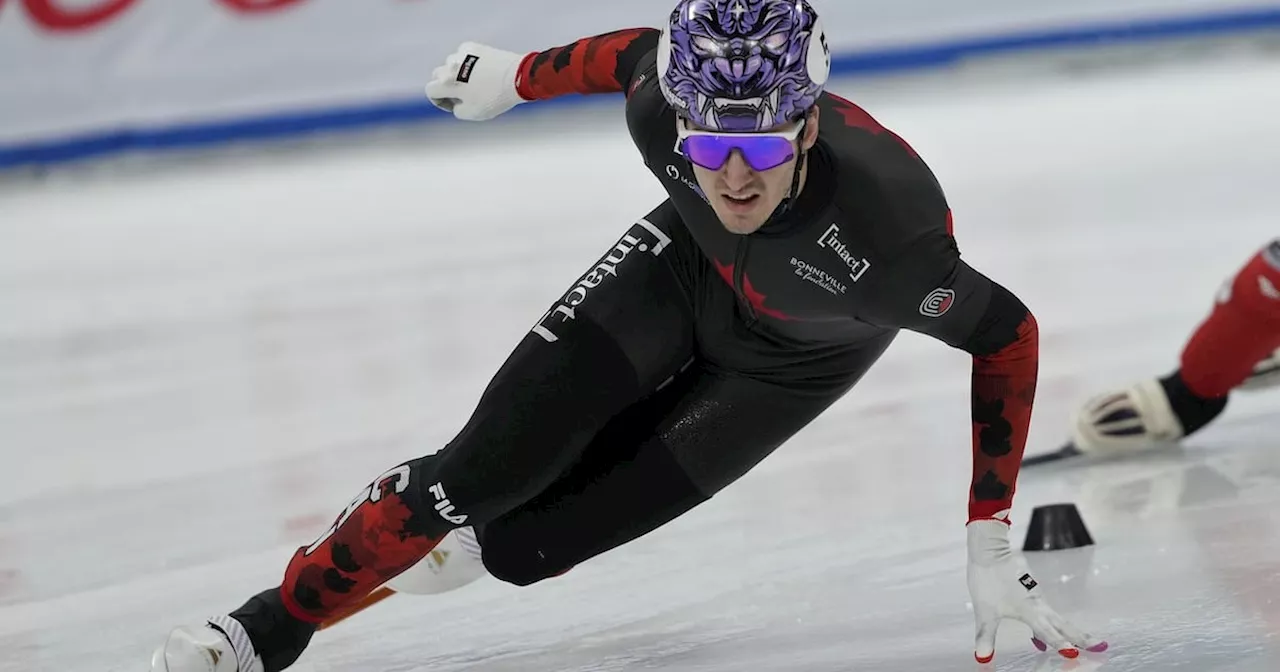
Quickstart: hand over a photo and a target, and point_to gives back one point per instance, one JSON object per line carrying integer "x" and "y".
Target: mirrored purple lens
{"x": 761, "y": 153}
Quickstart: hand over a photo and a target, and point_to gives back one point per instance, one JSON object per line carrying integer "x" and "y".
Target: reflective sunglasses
{"x": 762, "y": 151}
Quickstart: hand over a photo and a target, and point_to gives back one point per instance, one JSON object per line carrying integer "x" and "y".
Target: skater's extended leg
{"x": 618, "y": 333}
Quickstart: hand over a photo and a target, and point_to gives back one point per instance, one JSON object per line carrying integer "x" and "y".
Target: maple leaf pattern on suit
{"x": 753, "y": 297}
{"x": 1002, "y": 394}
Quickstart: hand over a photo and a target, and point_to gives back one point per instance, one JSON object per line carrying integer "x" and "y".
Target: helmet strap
{"x": 795, "y": 176}
{"x": 794, "y": 192}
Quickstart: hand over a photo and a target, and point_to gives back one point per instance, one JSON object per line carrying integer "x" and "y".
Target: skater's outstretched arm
{"x": 599, "y": 64}
{"x": 929, "y": 289}
{"x": 479, "y": 82}
{"x": 932, "y": 291}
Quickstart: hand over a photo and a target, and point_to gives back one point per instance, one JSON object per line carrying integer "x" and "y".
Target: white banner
{"x": 75, "y": 68}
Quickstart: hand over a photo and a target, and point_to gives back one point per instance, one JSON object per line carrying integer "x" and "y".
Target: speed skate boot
{"x": 219, "y": 645}
{"x": 455, "y": 562}
{"x": 262, "y": 636}
{"x": 1144, "y": 415}
{"x": 1157, "y": 411}
{"x": 259, "y": 636}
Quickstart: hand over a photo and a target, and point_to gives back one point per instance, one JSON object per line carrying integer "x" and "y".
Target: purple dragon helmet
{"x": 742, "y": 65}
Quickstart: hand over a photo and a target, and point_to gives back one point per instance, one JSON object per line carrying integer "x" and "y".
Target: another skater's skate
{"x": 1236, "y": 348}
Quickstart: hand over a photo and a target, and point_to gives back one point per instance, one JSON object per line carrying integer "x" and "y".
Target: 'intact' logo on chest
{"x": 830, "y": 240}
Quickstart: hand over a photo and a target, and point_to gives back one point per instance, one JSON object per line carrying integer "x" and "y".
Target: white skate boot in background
{"x": 1142, "y": 415}
{"x": 221, "y": 645}
{"x": 453, "y": 563}
{"x": 1134, "y": 418}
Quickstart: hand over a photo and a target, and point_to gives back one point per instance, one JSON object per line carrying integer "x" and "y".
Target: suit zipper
{"x": 739, "y": 271}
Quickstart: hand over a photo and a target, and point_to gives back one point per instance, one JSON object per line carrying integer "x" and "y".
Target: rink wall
{"x": 84, "y": 78}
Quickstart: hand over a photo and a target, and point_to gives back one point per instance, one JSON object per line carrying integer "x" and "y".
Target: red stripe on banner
{"x": 257, "y": 6}
{"x": 50, "y": 16}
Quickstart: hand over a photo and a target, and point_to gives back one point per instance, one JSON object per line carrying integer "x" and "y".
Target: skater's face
{"x": 746, "y": 176}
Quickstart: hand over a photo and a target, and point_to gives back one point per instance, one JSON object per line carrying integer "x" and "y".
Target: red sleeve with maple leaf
{"x": 1003, "y": 392}
{"x": 598, "y": 64}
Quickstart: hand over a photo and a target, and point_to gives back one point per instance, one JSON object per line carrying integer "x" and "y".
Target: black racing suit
{"x": 680, "y": 359}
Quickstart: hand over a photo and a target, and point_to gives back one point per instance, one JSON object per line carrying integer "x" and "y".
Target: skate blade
{"x": 1067, "y": 452}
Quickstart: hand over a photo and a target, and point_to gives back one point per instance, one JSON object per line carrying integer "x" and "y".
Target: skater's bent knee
{"x": 517, "y": 564}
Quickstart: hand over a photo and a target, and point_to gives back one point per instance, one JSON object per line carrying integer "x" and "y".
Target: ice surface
{"x": 199, "y": 368}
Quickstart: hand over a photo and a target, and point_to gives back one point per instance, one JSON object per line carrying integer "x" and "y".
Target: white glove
{"x": 476, "y": 82}
{"x": 1001, "y": 586}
